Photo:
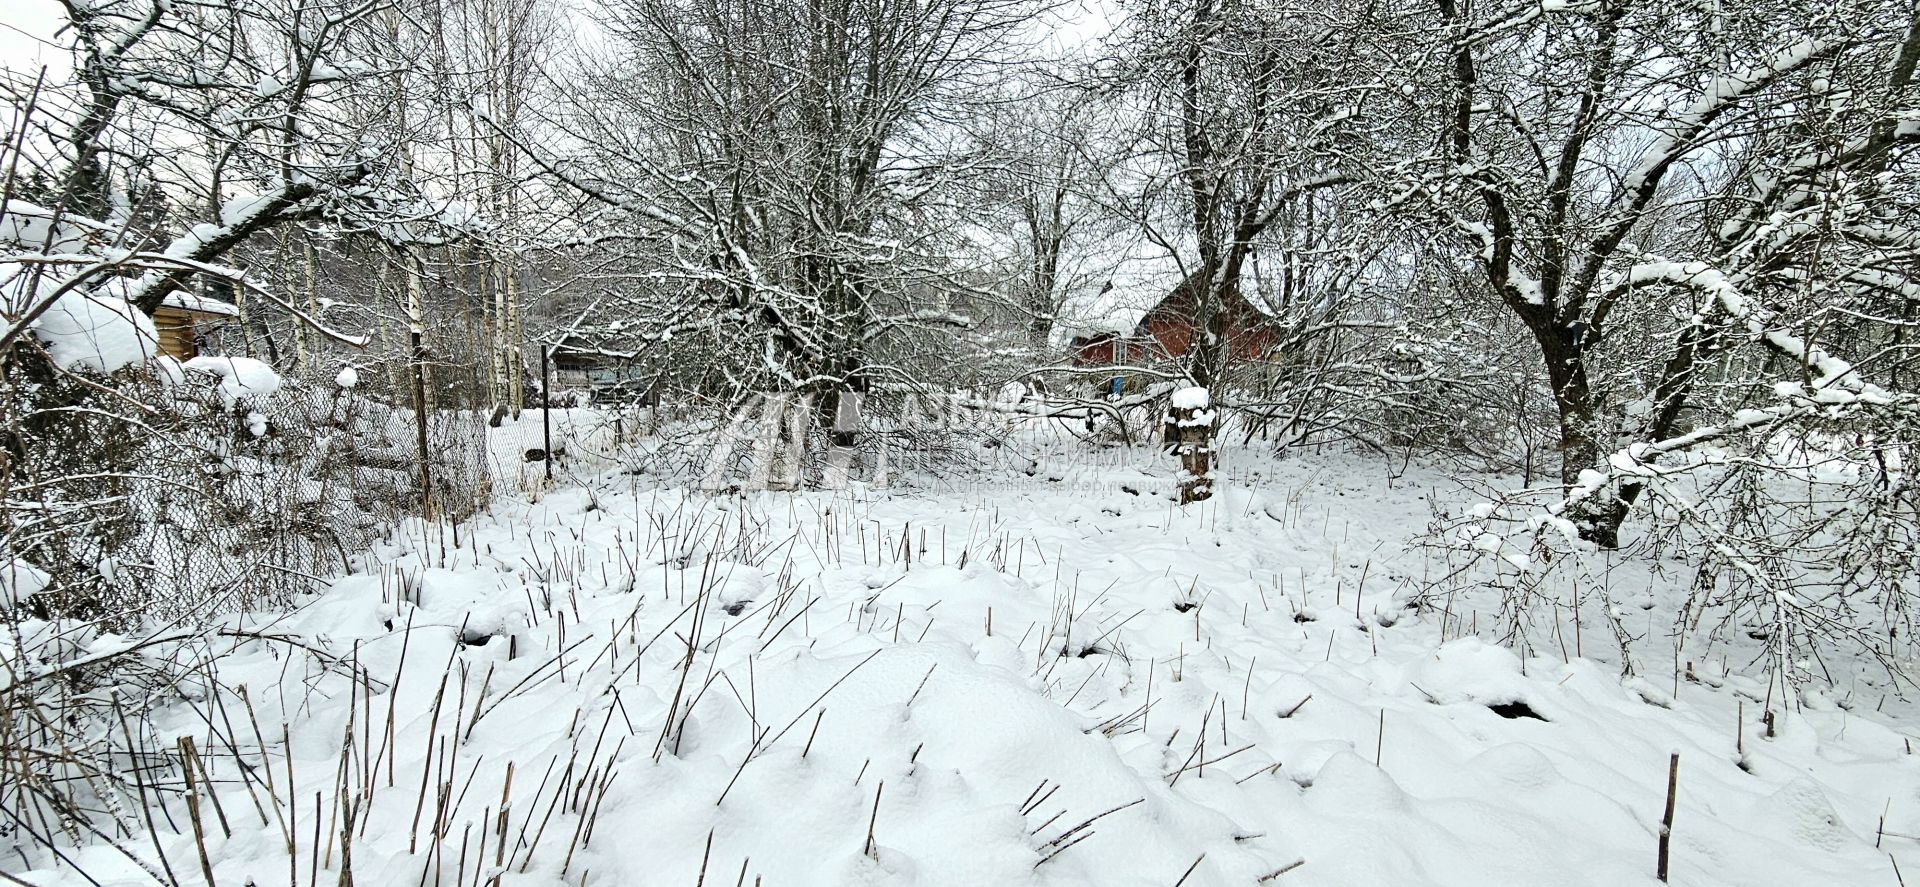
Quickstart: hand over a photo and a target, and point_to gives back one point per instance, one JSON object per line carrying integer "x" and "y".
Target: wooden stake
{"x": 1380, "y": 739}
{"x": 1740, "y": 731}
{"x": 1666, "y": 822}
{"x": 1247, "y": 687}
{"x": 874, "y": 817}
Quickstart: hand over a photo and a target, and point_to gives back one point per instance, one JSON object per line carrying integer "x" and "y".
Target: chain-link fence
{"x": 162, "y": 495}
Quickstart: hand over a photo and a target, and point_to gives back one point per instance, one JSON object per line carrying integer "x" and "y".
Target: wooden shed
{"x": 184, "y": 319}
{"x": 602, "y": 374}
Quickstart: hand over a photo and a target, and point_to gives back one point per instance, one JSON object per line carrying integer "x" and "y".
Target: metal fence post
{"x": 546, "y": 409}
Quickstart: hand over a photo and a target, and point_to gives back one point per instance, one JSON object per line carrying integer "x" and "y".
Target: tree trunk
{"x": 789, "y": 430}
{"x": 845, "y": 438}
{"x": 416, "y": 333}
{"x": 1599, "y": 516}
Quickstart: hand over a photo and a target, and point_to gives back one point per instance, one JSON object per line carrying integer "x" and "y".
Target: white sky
{"x": 26, "y": 32}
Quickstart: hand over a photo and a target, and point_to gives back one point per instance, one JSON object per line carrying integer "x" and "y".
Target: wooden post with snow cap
{"x": 1190, "y": 423}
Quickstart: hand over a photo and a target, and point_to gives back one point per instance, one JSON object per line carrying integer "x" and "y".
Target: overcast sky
{"x": 26, "y": 26}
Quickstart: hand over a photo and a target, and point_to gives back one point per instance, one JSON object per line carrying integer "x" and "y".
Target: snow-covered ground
{"x": 1056, "y": 678}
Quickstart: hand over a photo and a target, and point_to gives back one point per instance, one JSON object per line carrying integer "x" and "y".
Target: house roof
{"x": 1240, "y": 308}
{"x": 1138, "y": 283}
{"x": 1148, "y": 283}
{"x": 1124, "y": 314}
{"x": 199, "y": 304}
{"x": 577, "y": 347}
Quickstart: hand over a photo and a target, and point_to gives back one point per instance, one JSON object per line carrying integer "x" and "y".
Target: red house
{"x": 1113, "y": 349}
{"x": 1167, "y": 331}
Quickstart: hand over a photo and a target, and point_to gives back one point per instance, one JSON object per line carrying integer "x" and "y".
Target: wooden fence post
{"x": 1190, "y": 419}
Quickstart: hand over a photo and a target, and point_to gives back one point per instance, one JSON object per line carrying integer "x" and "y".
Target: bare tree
{"x": 274, "y": 95}
{"x": 1609, "y": 163}
{"x": 793, "y": 160}
{"x": 1061, "y": 239}
{"x": 1238, "y": 103}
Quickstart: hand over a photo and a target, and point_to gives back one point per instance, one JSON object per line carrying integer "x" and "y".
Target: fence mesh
{"x": 156, "y": 497}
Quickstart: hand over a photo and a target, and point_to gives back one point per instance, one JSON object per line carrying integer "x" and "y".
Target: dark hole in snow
{"x": 1302, "y": 618}
{"x": 1184, "y": 606}
{"x": 1129, "y": 490}
{"x": 473, "y": 638}
{"x": 735, "y": 608}
{"x": 1759, "y": 634}
{"x": 536, "y": 455}
{"x": 1515, "y": 709}
{"x": 1088, "y": 650}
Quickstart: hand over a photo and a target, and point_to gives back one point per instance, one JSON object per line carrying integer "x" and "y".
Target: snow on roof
{"x": 574, "y": 345}
{"x": 201, "y": 304}
{"x": 1138, "y": 283}
{"x": 1088, "y": 321}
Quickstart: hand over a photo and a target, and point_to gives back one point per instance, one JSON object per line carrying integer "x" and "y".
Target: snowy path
{"x": 751, "y": 689}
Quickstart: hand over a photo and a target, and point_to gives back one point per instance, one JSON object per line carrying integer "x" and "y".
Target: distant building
{"x": 1166, "y": 331}
{"x": 600, "y": 375}
{"x": 184, "y": 320}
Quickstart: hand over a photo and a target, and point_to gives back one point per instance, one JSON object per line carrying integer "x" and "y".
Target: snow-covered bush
{"x": 145, "y": 506}
{"x": 1792, "y": 545}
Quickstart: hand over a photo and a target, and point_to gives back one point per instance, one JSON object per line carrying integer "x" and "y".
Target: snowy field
{"x": 1019, "y": 680}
